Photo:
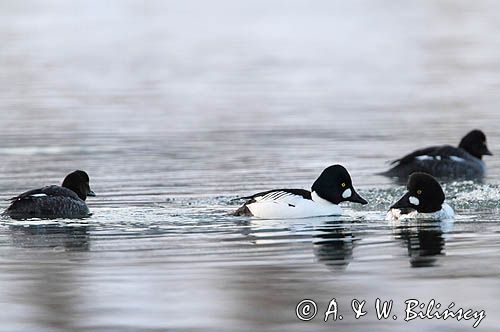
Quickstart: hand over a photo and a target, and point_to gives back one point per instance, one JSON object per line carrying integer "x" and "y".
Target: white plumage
{"x": 284, "y": 205}
{"x": 446, "y": 213}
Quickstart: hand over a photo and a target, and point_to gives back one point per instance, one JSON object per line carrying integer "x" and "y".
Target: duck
{"x": 333, "y": 186}
{"x": 424, "y": 199}
{"x": 66, "y": 201}
{"x": 446, "y": 162}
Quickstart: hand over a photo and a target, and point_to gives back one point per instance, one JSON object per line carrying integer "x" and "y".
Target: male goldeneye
{"x": 66, "y": 201}
{"x": 447, "y": 162}
{"x": 424, "y": 200}
{"x": 333, "y": 186}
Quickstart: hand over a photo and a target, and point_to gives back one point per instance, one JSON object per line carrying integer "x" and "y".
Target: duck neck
{"x": 317, "y": 199}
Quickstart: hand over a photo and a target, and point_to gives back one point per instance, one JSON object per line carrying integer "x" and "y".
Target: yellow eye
{"x": 419, "y": 192}
{"x": 343, "y": 184}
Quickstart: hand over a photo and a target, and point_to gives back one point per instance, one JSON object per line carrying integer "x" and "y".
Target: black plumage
{"x": 66, "y": 201}
{"x": 445, "y": 162}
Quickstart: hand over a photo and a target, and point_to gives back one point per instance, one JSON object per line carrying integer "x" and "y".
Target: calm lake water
{"x": 176, "y": 107}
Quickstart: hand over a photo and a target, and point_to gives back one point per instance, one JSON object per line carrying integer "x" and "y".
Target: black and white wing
{"x": 435, "y": 153}
{"x": 279, "y": 195}
{"x": 47, "y": 203}
{"x": 285, "y": 197}
{"x": 446, "y": 162}
{"x": 49, "y": 191}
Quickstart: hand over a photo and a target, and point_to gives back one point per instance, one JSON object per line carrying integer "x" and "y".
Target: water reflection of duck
{"x": 334, "y": 245}
{"x": 52, "y": 280}
{"x": 424, "y": 243}
{"x": 70, "y": 238}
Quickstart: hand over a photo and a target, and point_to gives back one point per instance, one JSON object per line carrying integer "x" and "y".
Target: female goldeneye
{"x": 67, "y": 201}
{"x": 333, "y": 186}
{"x": 424, "y": 200}
{"x": 447, "y": 162}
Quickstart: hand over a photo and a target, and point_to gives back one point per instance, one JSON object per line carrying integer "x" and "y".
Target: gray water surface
{"x": 174, "y": 108}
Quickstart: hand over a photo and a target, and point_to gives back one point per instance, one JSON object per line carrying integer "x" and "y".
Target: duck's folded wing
{"x": 52, "y": 191}
{"x": 287, "y": 196}
{"x": 434, "y": 153}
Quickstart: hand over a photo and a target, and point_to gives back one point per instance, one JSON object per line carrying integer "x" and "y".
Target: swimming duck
{"x": 332, "y": 187}
{"x": 446, "y": 162}
{"x": 66, "y": 201}
{"x": 424, "y": 200}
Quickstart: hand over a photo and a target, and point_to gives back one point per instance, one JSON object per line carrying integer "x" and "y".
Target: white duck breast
{"x": 446, "y": 213}
{"x": 285, "y": 205}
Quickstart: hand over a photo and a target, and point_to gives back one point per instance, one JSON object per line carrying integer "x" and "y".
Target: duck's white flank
{"x": 290, "y": 206}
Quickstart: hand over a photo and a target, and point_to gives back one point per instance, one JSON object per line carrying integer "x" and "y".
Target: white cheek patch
{"x": 413, "y": 200}
{"x": 347, "y": 193}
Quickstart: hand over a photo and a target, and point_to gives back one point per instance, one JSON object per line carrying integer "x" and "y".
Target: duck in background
{"x": 446, "y": 162}
{"x": 51, "y": 202}
{"x": 332, "y": 187}
{"x": 423, "y": 200}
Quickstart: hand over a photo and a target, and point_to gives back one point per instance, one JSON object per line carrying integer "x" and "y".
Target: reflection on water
{"x": 45, "y": 285}
{"x": 333, "y": 245}
{"x": 424, "y": 243}
{"x": 176, "y": 107}
{"x": 70, "y": 238}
